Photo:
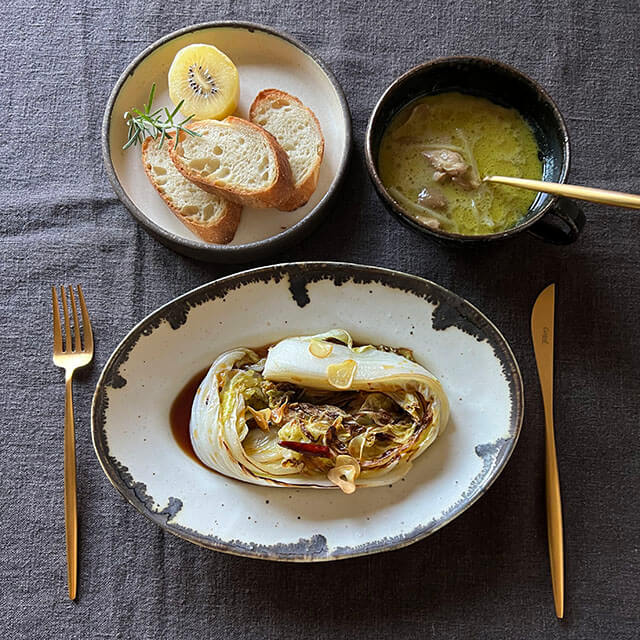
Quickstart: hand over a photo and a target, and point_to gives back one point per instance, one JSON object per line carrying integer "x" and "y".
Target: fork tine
{"x": 57, "y": 334}
{"x": 68, "y": 344}
{"x": 76, "y": 325}
{"x": 88, "y": 333}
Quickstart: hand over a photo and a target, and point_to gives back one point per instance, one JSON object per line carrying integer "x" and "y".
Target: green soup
{"x": 436, "y": 151}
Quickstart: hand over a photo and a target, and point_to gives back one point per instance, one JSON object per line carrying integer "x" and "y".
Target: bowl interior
{"x": 500, "y": 84}
{"x": 264, "y": 60}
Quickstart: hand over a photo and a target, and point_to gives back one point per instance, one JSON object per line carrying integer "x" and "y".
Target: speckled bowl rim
{"x": 405, "y": 217}
{"x": 307, "y": 272}
{"x": 250, "y": 250}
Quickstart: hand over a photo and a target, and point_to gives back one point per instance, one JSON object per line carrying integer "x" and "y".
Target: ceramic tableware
{"x": 265, "y": 58}
{"x": 141, "y": 457}
{"x": 549, "y": 218}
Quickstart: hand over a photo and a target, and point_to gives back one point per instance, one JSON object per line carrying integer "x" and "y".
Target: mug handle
{"x": 568, "y": 223}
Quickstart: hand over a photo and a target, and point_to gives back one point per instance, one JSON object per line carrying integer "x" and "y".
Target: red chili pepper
{"x": 307, "y": 448}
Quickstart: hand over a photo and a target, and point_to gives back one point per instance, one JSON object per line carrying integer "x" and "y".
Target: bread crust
{"x": 280, "y": 190}
{"x": 305, "y": 188}
{"x": 222, "y": 232}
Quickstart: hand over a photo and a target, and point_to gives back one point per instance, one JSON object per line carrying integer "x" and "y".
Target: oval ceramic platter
{"x": 265, "y": 59}
{"x": 134, "y": 443}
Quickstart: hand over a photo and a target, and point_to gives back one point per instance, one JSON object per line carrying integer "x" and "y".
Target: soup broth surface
{"x": 424, "y": 152}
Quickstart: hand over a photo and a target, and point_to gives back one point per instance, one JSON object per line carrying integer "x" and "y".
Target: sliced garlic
{"x": 320, "y": 349}
{"x": 345, "y": 473}
{"x": 261, "y": 417}
{"x": 341, "y": 375}
{"x": 278, "y": 413}
{"x": 363, "y": 348}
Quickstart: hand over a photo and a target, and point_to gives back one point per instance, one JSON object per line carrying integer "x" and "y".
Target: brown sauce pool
{"x": 180, "y": 415}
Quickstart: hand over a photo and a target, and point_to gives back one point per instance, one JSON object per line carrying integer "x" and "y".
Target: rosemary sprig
{"x": 158, "y": 124}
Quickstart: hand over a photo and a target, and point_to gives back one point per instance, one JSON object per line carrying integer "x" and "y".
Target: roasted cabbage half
{"x": 316, "y": 412}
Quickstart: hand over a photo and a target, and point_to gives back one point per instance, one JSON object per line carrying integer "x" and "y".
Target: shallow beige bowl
{"x": 265, "y": 59}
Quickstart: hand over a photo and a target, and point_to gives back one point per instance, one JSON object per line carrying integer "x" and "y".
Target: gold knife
{"x": 542, "y": 320}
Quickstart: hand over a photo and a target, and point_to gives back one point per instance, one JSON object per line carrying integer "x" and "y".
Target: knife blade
{"x": 542, "y": 323}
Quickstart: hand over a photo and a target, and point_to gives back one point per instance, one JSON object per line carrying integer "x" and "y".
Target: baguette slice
{"x": 209, "y": 216}
{"x": 298, "y": 131}
{"x": 237, "y": 160}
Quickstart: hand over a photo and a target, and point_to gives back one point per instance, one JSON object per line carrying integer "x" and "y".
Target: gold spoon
{"x": 602, "y": 196}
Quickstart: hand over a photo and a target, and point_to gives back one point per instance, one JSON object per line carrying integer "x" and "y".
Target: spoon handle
{"x": 602, "y": 196}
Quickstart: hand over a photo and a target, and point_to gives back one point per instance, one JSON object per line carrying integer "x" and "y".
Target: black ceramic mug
{"x": 550, "y": 218}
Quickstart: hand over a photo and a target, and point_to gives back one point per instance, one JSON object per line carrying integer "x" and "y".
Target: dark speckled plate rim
{"x": 470, "y": 320}
{"x": 228, "y": 253}
{"x": 400, "y": 213}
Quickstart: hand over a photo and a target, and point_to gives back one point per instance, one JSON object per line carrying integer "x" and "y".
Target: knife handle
{"x": 554, "y": 520}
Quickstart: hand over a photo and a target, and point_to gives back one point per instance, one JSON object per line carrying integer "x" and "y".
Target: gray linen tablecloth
{"x": 483, "y": 576}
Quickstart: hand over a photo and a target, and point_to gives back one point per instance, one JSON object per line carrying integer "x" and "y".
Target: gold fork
{"x": 75, "y": 353}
